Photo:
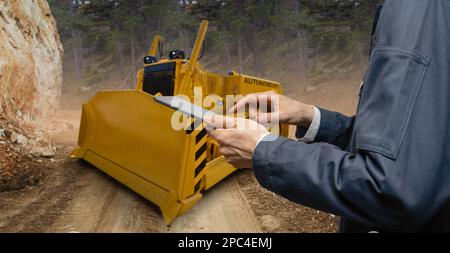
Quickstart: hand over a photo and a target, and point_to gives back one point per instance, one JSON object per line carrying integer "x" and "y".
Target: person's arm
{"x": 397, "y": 174}
{"x": 329, "y": 127}
{"x": 366, "y": 187}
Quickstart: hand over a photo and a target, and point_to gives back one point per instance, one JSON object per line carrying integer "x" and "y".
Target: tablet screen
{"x": 185, "y": 107}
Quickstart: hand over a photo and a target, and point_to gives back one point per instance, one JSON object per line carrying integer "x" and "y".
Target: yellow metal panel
{"x": 140, "y": 79}
{"x": 155, "y": 45}
{"x": 128, "y": 130}
{"x": 242, "y": 85}
{"x": 216, "y": 171}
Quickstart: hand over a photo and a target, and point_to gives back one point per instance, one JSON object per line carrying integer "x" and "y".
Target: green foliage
{"x": 257, "y": 36}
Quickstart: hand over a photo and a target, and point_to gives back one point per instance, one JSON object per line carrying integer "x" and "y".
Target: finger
{"x": 216, "y": 121}
{"x": 241, "y": 104}
{"x": 225, "y": 151}
{"x": 247, "y": 125}
{"x": 251, "y": 98}
{"x": 223, "y": 122}
{"x": 217, "y": 135}
{"x": 209, "y": 120}
{"x": 252, "y": 110}
{"x": 268, "y": 102}
{"x": 268, "y": 118}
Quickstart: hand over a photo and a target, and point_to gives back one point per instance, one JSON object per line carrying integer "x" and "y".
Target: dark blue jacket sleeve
{"x": 362, "y": 187}
{"x": 324, "y": 177}
{"x": 395, "y": 173}
{"x": 335, "y": 128}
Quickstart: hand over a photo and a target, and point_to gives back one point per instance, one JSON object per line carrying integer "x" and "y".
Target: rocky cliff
{"x": 30, "y": 61}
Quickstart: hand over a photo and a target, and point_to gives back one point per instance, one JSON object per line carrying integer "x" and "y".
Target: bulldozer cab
{"x": 130, "y": 137}
{"x": 159, "y": 75}
{"x": 160, "y": 78}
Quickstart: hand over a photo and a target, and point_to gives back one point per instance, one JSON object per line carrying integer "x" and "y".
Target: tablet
{"x": 183, "y": 106}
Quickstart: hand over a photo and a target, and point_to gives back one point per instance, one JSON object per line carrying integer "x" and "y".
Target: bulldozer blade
{"x": 129, "y": 136}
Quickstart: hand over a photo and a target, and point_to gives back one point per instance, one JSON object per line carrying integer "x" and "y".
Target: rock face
{"x": 30, "y": 61}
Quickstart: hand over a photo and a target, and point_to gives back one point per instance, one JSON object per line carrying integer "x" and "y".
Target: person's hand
{"x": 237, "y": 138}
{"x": 288, "y": 111}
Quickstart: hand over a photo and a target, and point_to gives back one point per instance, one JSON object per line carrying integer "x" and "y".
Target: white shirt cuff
{"x": 311, "y": 134}
{"x": 313, "y": 129}
{"x": 262, "y": 138}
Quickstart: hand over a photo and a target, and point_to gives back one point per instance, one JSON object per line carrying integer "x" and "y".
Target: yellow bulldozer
{"x": 129, "y": 136}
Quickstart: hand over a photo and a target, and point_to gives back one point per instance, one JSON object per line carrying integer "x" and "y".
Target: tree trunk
{"x": 77, "y": 46}
{"x": 303, "y": 61}
{"x": 133, "y": 59}
{"x": 256, "y": 51}
{"x": 133, "y": 12}
{"x": 78, "y": 54}
{"x": 121, "y": 62}
{"x": 303, "y": 45}
{"x": 241, "y": 61}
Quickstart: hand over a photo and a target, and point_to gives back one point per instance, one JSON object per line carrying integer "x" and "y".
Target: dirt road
{"x": 76, "y": 197}
{"x": 103, "y": 205}
{"x": 223, "y": 209}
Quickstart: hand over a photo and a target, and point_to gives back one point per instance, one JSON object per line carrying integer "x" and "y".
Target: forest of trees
{"x": 105, "y": 40}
